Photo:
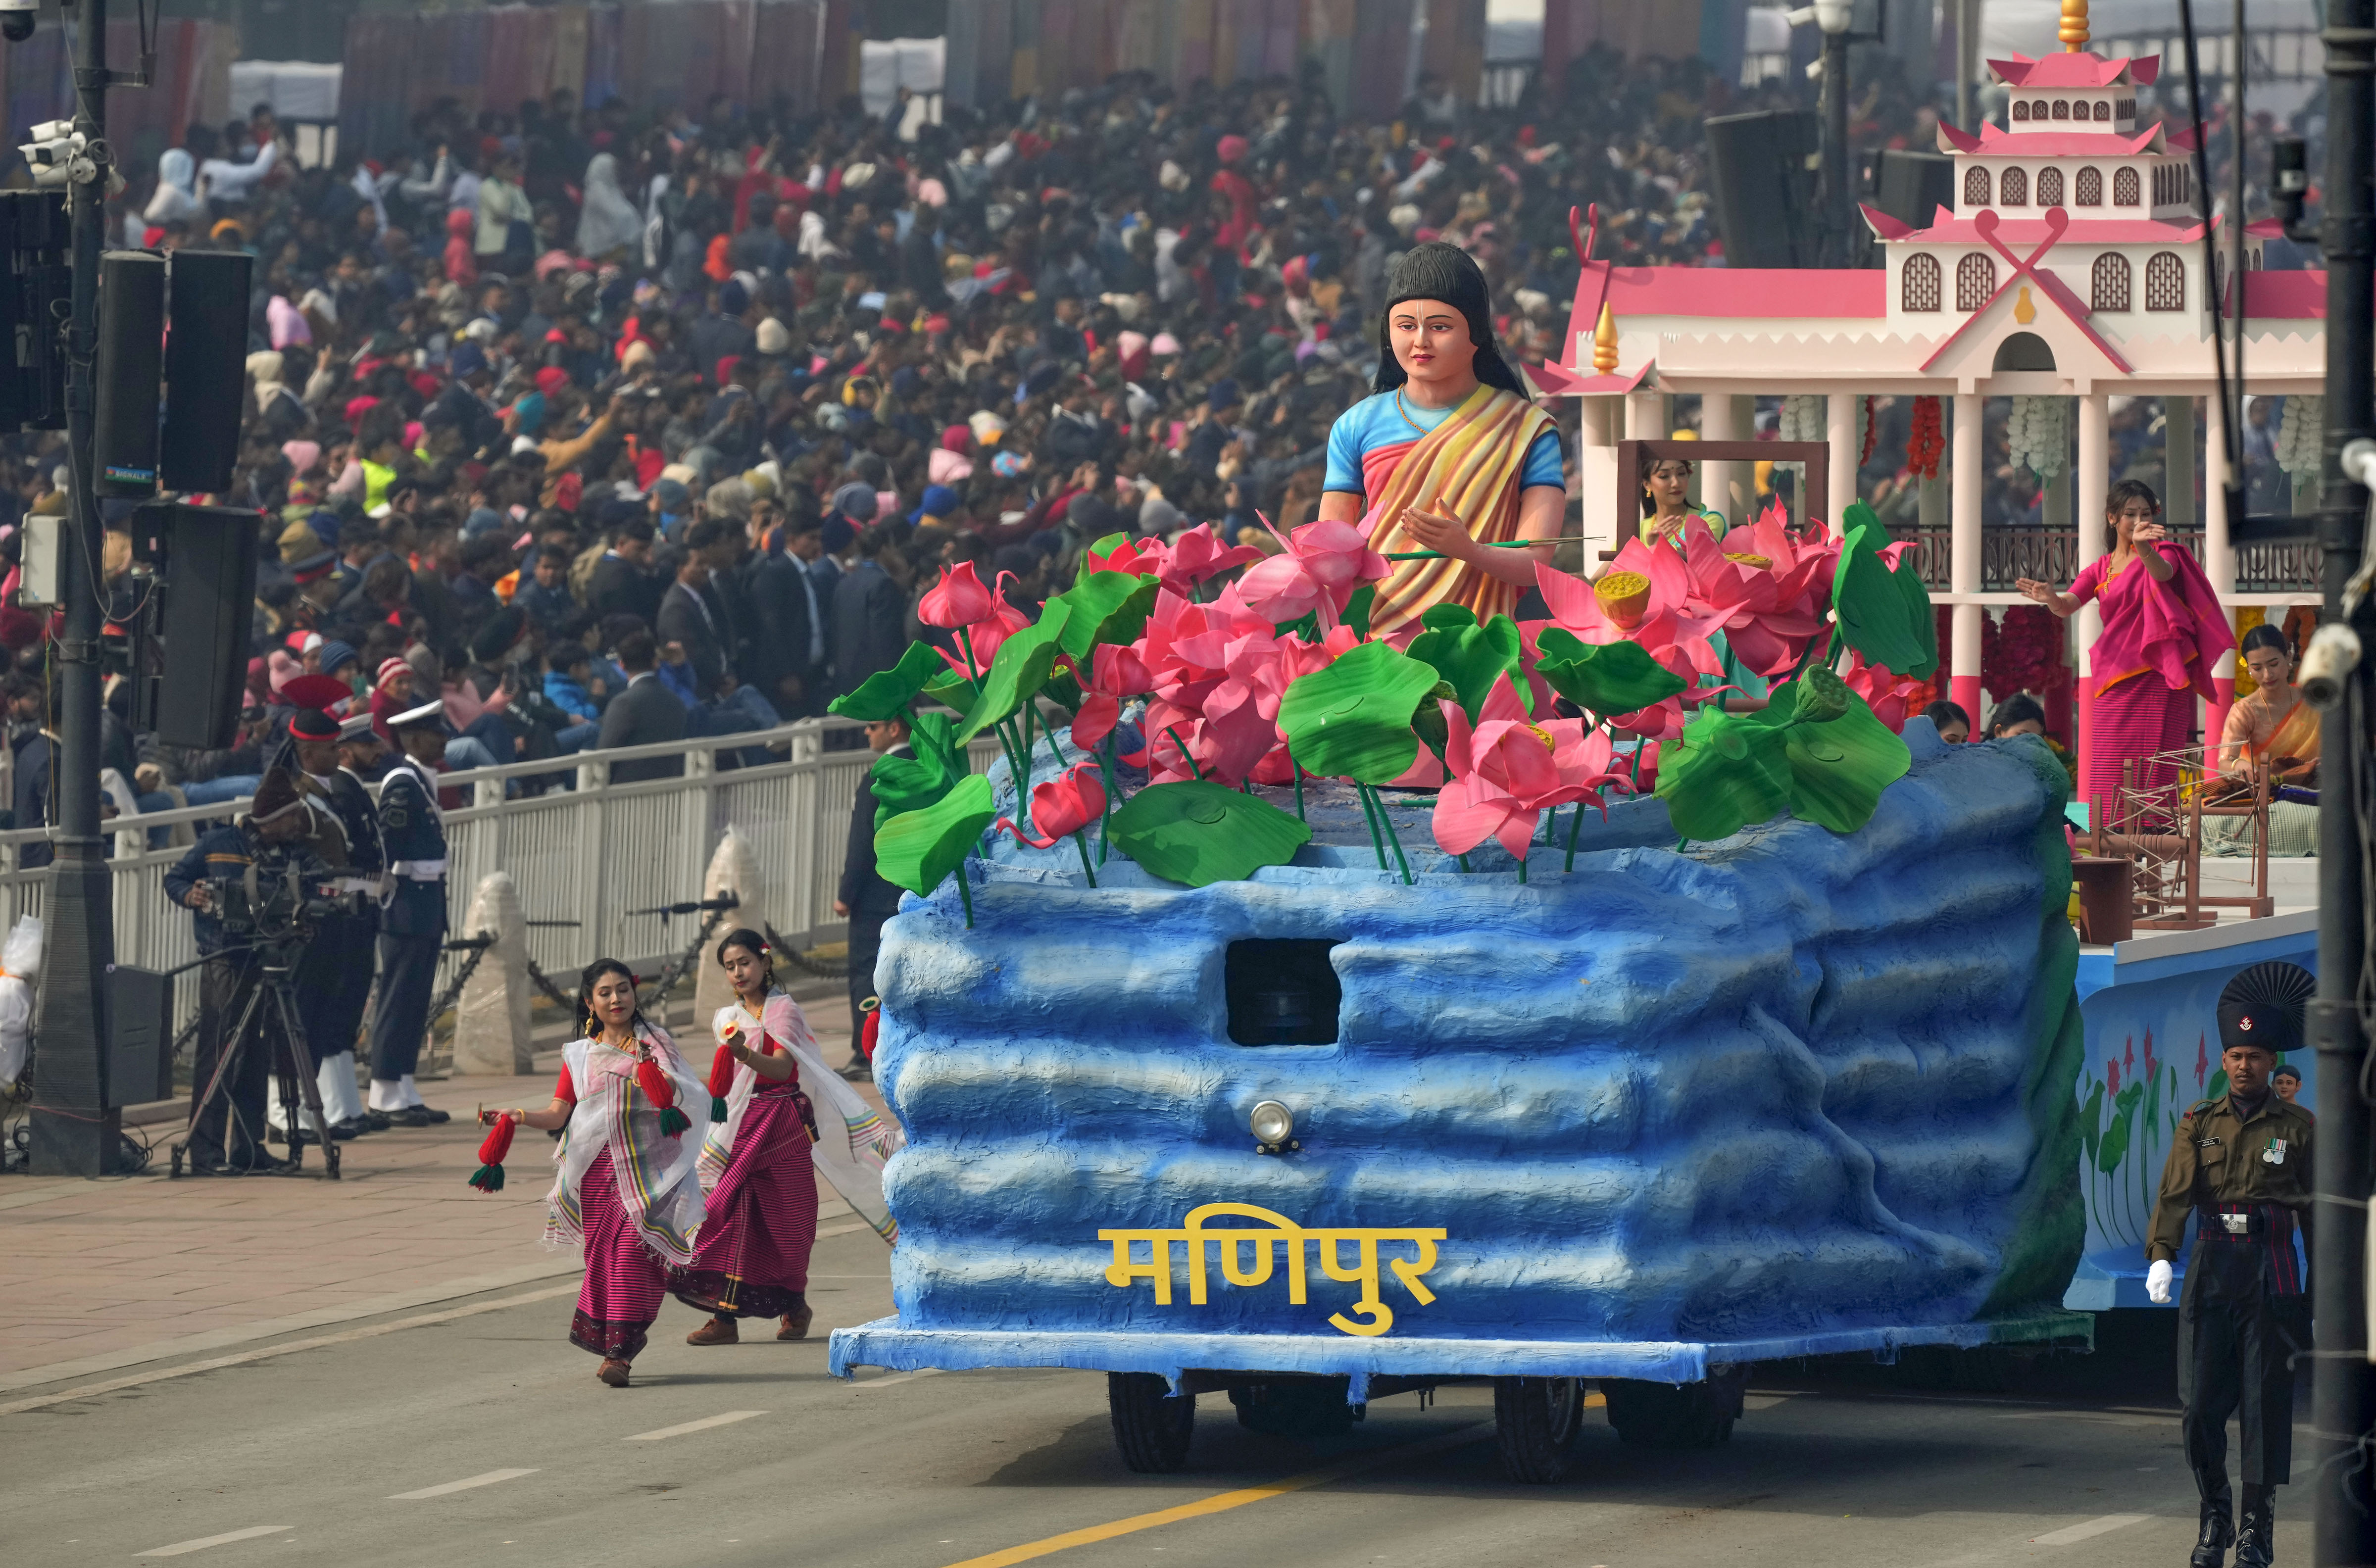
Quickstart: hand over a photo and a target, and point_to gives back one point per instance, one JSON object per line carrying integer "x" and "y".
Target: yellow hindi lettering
{"x": 1247, "y": 1260}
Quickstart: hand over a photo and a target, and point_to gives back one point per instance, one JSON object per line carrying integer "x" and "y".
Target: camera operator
{"x": 412, "y": 914}
{"x": 228, "y": 1140}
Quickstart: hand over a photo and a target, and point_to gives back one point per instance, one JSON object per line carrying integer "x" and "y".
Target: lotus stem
{"x": 1522, "y": 869}
{"x": 964, "y": 894}
{"x": 1370, "y": 815}
{"x": 1574, "y": 822}
{"x": 1105, "y": 817}
{"x": 1299, "y": 788}
{"x": 1393, "y": 837}
{"x": 1188, "y": 756}
{"x": 965, "y": 640}
{"x": 1081, "y": 842}
{"x": 1465, "y": 866}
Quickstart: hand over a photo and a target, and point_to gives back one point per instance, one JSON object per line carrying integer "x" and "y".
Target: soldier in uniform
{"x": 2241, "y": 1166}
{"x": 412, "y": 914}
{"x": 334, "y": 977}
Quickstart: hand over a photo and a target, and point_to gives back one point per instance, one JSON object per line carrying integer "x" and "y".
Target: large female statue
{"x": 2163, "y": 632}
{"x": 1450, "y": 455}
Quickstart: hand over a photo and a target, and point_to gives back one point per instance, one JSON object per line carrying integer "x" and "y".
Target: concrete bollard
{"x": 490, "y": 1024}
{"x": 733, "y": 868}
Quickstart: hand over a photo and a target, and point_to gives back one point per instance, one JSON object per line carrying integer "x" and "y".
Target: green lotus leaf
{"x": 917, "y": 849}
{"x": 1018, "y": 671}
{"x": 1884, "y": 616}
{"x": 1730, "y": 771}
{"x": 1358, "y": 608}
{"x": 1353, "y": 720}
{"x": 1104, "y": 607}
{"x": 1815, "y": 750}
{"x": 1472, "y": 656}
{"x": 1606, "y": 678}
{"x": 904, "y": 784}
{"x": 1839, "y": 767}
{"x": 1199, "y": 833}
{"x": 889, "y": 692}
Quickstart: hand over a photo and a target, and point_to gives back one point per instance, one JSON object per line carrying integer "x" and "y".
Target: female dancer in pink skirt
{"x": 627, "y": 1191}
{"x": 753, "y": 1260}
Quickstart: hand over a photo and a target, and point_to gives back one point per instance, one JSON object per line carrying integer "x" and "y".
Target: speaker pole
{"x": 74, "y": 1131}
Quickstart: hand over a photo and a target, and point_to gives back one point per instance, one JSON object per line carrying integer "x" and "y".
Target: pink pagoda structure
{"x": 2072, "y": 266}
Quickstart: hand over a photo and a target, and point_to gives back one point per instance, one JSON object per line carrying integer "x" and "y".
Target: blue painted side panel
{"x": 1774, "y": 1091}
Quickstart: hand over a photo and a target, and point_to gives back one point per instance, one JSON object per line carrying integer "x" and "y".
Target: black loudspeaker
{"x": 140, "y": 1036}
{"x": 33, "y": 296}
{"x": 209, "y": 588}
{"x": 131, "y": 362}
{"x": 205, "y": 358}
{"x": 1764, "y": 191}
{"x": 1913, "y": 187}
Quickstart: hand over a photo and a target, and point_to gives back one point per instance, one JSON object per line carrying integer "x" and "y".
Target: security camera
{"x": 2333, "y": 654}
{"x": 17, "y": 18}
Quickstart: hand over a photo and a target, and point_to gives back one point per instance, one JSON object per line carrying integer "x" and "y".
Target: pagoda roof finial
{"x": 2074, "y": 33}
{"x": 1604, "y": 342}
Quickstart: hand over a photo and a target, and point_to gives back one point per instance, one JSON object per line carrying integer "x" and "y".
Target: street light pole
{"x": 1839, "y": 181}
{"x": 75, "y": 1132}
{"x": 2342, "y": 1383}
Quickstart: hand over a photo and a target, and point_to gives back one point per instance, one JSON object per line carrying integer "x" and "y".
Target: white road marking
{"x": 2092, "y": 1528}
{"x": 224, "y": 1540}
{"x": 728, "y": 1418}
{"x": 900, "y": 1377}
{"x": 490, "y": 1479}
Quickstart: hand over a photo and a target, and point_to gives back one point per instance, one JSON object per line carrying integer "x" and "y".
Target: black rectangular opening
{"x": 1282, "y": 991}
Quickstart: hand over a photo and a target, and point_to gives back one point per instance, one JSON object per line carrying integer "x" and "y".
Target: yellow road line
{"x": 1221, "y": 1503}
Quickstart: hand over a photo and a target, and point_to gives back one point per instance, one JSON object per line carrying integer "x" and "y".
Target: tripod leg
{"x": 226, "y": 1058}
{"x": 302, "y": 1055}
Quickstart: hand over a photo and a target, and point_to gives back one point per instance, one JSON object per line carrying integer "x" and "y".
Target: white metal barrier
{"x": 587, "y": 850}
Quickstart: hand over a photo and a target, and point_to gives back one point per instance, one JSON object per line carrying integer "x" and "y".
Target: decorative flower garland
{"x": 1928, "y": 441}
{"x": 2040, "y": 434}
{"x": 2301, "y": 442}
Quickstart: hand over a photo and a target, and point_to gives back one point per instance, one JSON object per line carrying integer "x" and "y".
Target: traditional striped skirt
{"x": 625, "y": 1283}
{"x": 2133, "y": 719}
{"x": 752, "y": 1254}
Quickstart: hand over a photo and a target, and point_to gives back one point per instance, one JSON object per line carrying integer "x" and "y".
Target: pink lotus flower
{"x": 1759, "y": 583}
{"x": 958, "y": 600}
{"x": 1892, "y": 697}
{"x": 1063, "y": 807}
{"x": 1662, "y": 615}
{"x": 1198, "y": 556}
{"x": 985, "y": 634}
{"x": 1145, "y": 557}
{"x": 1114, "y": 675}
{"x": 1506, "y": 771}
{"x": 1318, "y": 571}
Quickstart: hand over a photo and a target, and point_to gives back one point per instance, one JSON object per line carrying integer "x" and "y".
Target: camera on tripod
{"x": 272, "y": 904}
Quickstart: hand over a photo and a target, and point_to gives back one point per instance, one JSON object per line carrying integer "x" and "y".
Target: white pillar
{"x": 2091, "y": 478}
{"x": 2178, "y": 463}
{"x": 1963, "y": 556}
{"x": 2218, "y": 558}
{"x": 1724, "y": 486}
{"x": 1840, "y": 419}
{"x": 491, "y": 1021}
{"x": 1645, "y": 420}
{"x": 1596, "y": 476}
{"x": 734, "y": 869}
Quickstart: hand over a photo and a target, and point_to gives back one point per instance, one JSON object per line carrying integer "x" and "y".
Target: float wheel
{"x": 1151, "y": 1424}
{"x": 1536, "y": 1420}
{"x": 1666, "y": 1415}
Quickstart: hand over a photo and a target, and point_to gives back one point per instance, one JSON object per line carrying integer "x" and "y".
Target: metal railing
{"x": 589, "y": 851}
{"x": 2051, "y": 556}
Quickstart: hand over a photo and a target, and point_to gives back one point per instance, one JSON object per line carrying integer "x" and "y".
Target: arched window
{"x": 2165, "y": 281}
{"x": 1976, "y": 279}
{"x": 2124, "y": 187}
{"x": 2013, "y": 188}
{"x": 2160, "y": 185}
{"x": 2020, "y": 109}
{"x": 2088, "y": 189}
{"x": 2111, "y": 283}
{"x": 1919, "y": 288}
{"x": 2103, "y": 109}
{"x": 2050, "y": 187}
{"x": 2062, "y": 109}
{"x": 1976, "y": 186}
{"x": 2038, "y": 109}
{"x": 2127, "y": 110}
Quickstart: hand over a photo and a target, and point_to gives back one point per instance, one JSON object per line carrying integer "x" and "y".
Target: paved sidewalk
{"x": 106, "y": 1274}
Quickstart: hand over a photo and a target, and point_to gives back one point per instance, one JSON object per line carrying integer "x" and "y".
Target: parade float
{"x": 1332, "y": 1018}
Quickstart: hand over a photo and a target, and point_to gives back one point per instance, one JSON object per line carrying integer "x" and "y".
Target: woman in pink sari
{"x": 2164, "y": 629}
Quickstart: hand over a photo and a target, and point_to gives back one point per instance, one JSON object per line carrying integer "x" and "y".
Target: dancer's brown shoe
{"x": 614, "y": 1372}
{"x": 719, "y": 1330}
{"x": 796, "y": 1323}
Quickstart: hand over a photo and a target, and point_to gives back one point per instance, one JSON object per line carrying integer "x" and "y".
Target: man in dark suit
{"x": 865, "y": 897}
{"x": 870, "y": 613}
{"x": 692, "y": 619}
{"x": 622, "y": 583}
{"x": 644, "y": 714}
{"x": 788, "y": 619}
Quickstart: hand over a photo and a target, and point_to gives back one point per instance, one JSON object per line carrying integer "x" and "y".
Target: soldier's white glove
{"x": 2157, "y": 1283}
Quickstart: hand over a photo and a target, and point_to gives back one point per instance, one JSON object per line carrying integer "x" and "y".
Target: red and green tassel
{"x": 870, "y": 1030}
{"x": 722, "y": 1076}
{"x": 488, "y": 1177}
{"x": 658, "y": 1089}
